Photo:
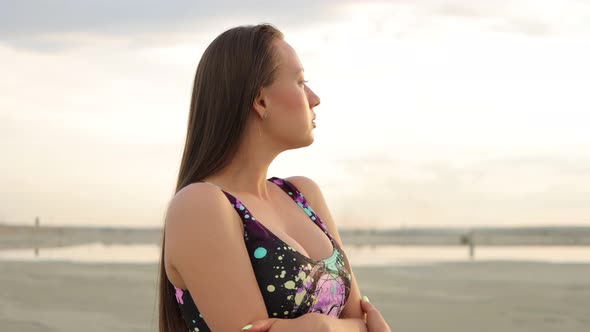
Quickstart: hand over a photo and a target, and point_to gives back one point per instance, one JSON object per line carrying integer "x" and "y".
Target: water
{"x": 358, "y": 256}
{"x": 88, "y": 253}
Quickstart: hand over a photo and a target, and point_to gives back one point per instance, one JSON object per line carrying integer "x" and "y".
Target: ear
{"x": 260, "y": 103}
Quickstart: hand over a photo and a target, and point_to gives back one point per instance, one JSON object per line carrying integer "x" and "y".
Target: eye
{"x": 303, "y": 82}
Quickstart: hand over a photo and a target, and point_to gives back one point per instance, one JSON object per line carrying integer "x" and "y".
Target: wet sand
{"x": 469, "y": 296}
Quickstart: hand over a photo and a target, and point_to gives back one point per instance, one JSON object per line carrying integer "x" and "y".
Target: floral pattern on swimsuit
{"x": 291, "y": 283}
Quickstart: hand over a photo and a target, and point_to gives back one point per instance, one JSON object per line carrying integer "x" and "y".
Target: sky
{"x": 433, "y": 113}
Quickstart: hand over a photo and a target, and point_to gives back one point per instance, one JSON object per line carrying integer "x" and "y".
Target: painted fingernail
{"x": 365, "y": 298}
{"x": 247, "y": 327}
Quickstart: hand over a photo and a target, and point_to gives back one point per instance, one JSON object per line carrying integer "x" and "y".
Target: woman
{"x": 239, "y": 247}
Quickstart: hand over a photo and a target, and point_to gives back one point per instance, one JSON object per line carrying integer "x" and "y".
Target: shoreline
{"x": 21, "y": 236}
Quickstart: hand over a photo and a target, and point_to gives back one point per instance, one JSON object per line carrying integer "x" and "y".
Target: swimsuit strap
{"x": 295, "y": 194}
{"x": 298, "y": 197}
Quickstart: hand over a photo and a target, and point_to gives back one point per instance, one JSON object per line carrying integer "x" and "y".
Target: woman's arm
{"x": 347, "y": 324}
{"x": 204, "y": 245}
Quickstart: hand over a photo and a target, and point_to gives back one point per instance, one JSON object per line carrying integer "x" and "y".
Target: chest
{"x": 292, "y": 285}
{"x": 291, "y": 224}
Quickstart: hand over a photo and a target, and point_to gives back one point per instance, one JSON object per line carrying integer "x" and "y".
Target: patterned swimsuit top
{"x": 291, "y": 283}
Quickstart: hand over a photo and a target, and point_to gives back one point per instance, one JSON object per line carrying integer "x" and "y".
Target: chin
{"x": 301, "y": 144}
{"x": 302, "y": 141}
{"x": 310, "y": 140}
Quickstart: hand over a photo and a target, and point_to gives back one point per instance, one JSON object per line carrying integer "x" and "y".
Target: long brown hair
{"x": 232, "y": 71}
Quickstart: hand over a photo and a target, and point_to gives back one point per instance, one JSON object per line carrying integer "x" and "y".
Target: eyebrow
{"x": 299, "y": 70}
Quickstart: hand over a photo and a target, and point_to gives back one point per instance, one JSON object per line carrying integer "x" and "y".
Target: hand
{"x": 307, "y": 322}
{"x": 374, "y": 319}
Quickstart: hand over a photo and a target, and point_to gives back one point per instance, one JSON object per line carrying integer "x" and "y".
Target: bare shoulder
{"x": 189, "y": 214}
{"x": 205, "y": 245}
{"x": 316, "y": 200}
{"x": 196, "y": 197}
{"x": 198, "y": 208}
{"x": 308, "y": 187}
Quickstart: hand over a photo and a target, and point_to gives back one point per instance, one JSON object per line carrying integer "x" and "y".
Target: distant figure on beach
{"x": 469, "y": 239}
{"x": 241, "y": 250}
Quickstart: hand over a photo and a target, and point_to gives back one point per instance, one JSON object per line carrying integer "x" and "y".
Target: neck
{"x": 247, "y": 172}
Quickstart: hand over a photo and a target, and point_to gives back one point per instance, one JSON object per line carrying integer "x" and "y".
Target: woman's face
{"x": 290, "y": 101}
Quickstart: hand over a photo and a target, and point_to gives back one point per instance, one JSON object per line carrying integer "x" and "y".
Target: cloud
{"x": 433, "y": 17}
{"x": 50, "y": 26}
{"x": 37, "y": 24}
{"x": 538, "y": 18}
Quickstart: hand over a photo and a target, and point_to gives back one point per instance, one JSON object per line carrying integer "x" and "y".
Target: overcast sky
{"x": 433, "y": 112}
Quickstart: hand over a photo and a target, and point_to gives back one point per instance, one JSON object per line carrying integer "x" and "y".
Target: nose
{"x": 314, "y": 100}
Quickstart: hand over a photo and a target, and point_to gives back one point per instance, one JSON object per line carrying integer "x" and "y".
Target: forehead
{"x": 289, "y": 62}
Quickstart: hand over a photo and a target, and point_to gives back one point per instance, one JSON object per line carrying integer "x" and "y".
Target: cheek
{"x": 290, "y": 98}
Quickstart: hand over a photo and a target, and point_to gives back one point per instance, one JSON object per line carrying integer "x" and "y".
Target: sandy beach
{"x": 469, "y": 296}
